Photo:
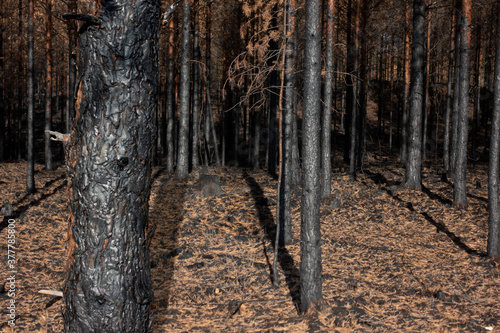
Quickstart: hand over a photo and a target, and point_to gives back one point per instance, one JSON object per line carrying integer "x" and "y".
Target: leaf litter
{"x": 394, "y": 259}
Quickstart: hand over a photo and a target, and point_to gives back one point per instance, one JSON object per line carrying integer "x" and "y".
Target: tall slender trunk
{"x": 459, "y": 189}
{"x": 446, "y": 143}
{"x": 196, "y": 93}
{"x": 72, "y": 42}
{"x": 48, "y": 92}
{"x": 494, "y": 166}
{"x": 109, "y": 285}
{"x": 456, "y": 90}
{"x": 355, "y": 85}
{"x": 170, "y": 99}
{"x": 406, "y": 86}
{"x": 426, "y": 109}
{"x": 413, "y": 176}
{"x": 30, "y": 177}
{"x": 273, "y": 100}
{"x": 284, "y": 207}
{"x": 184, "y": 87}
{"x": 326, "y": 146}
{"x": 310, "y": 265}
{"x": 477, "y": 97}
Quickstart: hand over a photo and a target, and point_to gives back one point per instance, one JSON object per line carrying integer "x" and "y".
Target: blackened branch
{"x": 170, "y": 11}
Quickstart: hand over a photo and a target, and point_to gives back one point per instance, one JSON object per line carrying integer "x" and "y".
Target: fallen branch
{"x": 51, "y": 292}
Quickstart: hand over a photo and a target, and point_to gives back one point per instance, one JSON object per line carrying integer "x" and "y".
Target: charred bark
{"x": 196, "y": 94}
{"x": 72, "y": 41}
{"x": 109, "y": 288}
{"x": 2, "y": 111}
{"x": 30, "y": 174}
{"x": 310, "y": 233}
{"x": 413, "y": 176}
{"x": 459, "y": 188}
{"x": 494, "y": 167}
{"x": 326, "y": 143}
{"x": 184, "y": 87}
{"x": 170, "y": 99}
{"x": 48, "y": 92}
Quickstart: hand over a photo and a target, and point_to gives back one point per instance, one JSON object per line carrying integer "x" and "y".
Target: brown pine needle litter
{"x": 394, "y": 260}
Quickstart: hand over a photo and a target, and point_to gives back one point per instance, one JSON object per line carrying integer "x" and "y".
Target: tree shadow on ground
{"x": 285, "y": 260}
{"x": 166, "y": 216}
{"x": 440, "y": 227}
{"x": 17, "y": 212}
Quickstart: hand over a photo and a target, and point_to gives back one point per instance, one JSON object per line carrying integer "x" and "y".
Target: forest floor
{"x": 394, "y": 259}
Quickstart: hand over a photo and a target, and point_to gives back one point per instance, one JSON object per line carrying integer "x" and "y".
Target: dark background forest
{"x": 391, "y": 104}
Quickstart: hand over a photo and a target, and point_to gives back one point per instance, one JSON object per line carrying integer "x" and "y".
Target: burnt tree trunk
{"x": 184, "y": 87}
{"x": 406, "y": 87}
{"x": 72, "y": 41}
{"x": 30, "y": 175}
{"x": 169, "y": 90}
{"x": 494, "y": 167}
{"x": 109, "y": 288}
{"x": 459, "y": 188}
{"x": 446, "y": 143}
{"x": 48, "y": 92}
{"x": 413, "y": 176}
{"x": 285, "y": 196}
{"x": 195, "y": 161}
{"x": 310, "y": 233}
{"x": 326, "y": 146}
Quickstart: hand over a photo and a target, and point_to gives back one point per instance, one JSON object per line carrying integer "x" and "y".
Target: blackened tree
{"x": 413, "y": 176}
{"x": 2, "y": 113}
{"x": 326, "y": 147}
{"x": 459, "y": 188}
{"x": 71, "y": 80}
{"x": 170, "y": 98}
{"x": 494, "y": 167}
{"x": 310, "y": 234}
{"x": 109, "y": 288}
{"x": 48, "y": 89}
{"x": 196, "y": 91}
{"x": 30, "y": 175}
{"x": 284, "y": 207}
{"x": 184, "y": 87}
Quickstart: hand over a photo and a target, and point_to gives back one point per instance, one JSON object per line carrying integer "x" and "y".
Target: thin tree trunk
{"x": 310, "y": 265}
{"x": 170, "y": 99}
{"x": 494, "y": 166}
{"x": 72, "y": 41}
{"x": 355, "y": 84}
{"x": 326, "y": 144}
{"x": 284, "y": 212}
{"x": 413, "y": 176}
{"x": 456, "y": 91}
{"x": 184, "y": 87}
{"x": 459, "y": 189}
{"x": 446, "y": 143}
{"x": 273, "y": 101}
{"x": 426, "y": 110}
{"x": 196, "y": 92}
{"x": 477, "y": 99}
{"x": 48, "y": 92}
{"x": 30, "y": 176}
{"x": 110, "y": 149}
{"x": 406, "y": 86}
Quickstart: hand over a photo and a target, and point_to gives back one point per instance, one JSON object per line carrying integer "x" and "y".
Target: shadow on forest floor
{"x": 379, "y": 178}
{"x": 267, "y": 222}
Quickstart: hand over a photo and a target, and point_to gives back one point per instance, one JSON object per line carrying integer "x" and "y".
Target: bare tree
{"x": 494, "y": 167}
{"x": 30, "y": 175}
{"x": 413, "y": 176}
{"x": 310, "y": 234}
{"x": 184, "y": 87}
{"x": 48, "y": 90}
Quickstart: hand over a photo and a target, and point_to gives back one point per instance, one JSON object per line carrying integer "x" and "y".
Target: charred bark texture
{"x": 326, "y": 144}
{"x": 48, "y": 92}
{"x": 109, "y": 288}
{"x": 184, "y": 86}
{"x": 30, "y": 175}
{"x": 459, "y": 188}
{"x": 310, "y": 234}
{"x": 413, "y": 176}
{"x": 494, "y": 167}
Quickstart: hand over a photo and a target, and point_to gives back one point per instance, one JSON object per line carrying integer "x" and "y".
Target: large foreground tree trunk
{"x": 310, "y": 233}
{"x": 109, "y": 160}
{"x": 494, "y": 167}
{"x": 413, "y": 176}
